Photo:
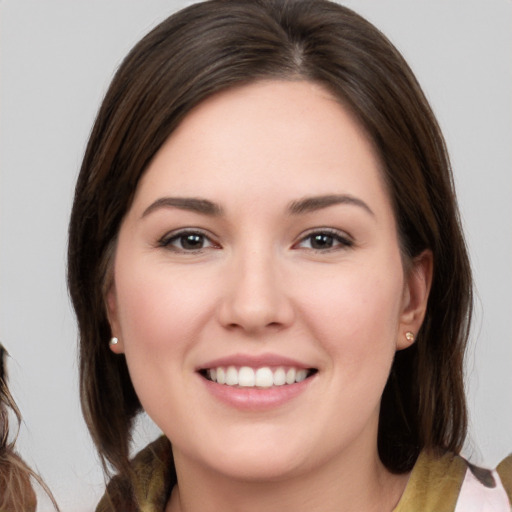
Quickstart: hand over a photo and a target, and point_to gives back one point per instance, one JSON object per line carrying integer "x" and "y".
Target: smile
{"x": 262, "y": 377}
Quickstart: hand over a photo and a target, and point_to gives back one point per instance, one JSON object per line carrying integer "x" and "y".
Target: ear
{"x": 113, "y": 319}
{"x": 418, "y": 279}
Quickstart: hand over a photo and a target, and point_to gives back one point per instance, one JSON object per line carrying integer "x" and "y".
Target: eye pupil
{"x": 322, "y": 241}
{"x": 192, "y": 241}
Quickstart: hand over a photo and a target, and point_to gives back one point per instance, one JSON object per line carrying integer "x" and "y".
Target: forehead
{"x": 294, "y": 137}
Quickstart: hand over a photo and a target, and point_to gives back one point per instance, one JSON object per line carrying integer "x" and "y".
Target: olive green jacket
{"x": 437, "y": 484}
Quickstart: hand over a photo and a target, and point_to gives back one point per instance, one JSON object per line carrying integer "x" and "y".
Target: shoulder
{"x": 149, "y": 485}
{"x": 448, "y": 483}
{"x": 485, "y": 490}
{"x": 504, "y": 471}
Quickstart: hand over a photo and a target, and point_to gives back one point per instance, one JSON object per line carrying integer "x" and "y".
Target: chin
{"x": 259, "y": 467}
{"x": 251, "y": 456}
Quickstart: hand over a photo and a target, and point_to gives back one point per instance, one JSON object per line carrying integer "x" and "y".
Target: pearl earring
{"x": 113, "y": 341}
{"x": 409, "y": 336}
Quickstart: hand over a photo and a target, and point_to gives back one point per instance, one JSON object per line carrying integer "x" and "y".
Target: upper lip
{"x": 254, "y": 361}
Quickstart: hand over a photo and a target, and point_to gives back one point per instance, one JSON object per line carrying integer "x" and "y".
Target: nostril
{"x": 275, "y": 326}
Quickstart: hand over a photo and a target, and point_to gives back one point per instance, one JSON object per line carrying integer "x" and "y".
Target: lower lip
{"x": 257, "y": 399}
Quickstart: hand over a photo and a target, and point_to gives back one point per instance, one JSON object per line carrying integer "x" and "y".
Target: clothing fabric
{"x": 437, "y": 484}
{"x": 451, "y": 484}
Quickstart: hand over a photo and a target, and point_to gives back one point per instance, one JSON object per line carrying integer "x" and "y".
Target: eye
{"x": 325, "y": 240}
{"x": 187, "y": 241}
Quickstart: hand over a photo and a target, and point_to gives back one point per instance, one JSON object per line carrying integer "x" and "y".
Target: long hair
{"x": 210, "y": 47}
{"x": 16, "y": 492}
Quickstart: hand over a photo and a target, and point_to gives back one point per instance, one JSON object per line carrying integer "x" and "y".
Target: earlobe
{"x": 417, "y": 284}
{"x": 115, "y": 343}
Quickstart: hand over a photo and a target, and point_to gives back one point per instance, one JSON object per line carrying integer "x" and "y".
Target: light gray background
{"x": 57, "y": 58}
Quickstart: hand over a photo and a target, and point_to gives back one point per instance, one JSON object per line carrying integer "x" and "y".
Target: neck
{"x": 359, "y": 483}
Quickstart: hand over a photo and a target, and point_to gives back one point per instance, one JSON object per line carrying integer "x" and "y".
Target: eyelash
{"x": 167, "y": 241}
{"x": 339, "y": 240}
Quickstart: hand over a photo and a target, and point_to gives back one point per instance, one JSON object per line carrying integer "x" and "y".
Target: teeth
{"x": 246, "y": 377}
{"x": 232, "y": 376}
{"x": 301, "y": 375}
{"x": 264, "y": 377}
{"x": 279, "y": 377}
{"x": 221, "y": 376}
{"x": 290, "y": 376}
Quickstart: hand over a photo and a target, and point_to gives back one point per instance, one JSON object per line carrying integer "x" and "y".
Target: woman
{"x": 16, "y": 492}
{"x": 265, "y": 228}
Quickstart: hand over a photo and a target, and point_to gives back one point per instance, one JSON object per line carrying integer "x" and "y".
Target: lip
{"x": 254, "y": 361}
{"x": 256, "y": 399}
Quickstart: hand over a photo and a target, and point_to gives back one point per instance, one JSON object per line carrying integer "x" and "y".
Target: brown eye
{"x": 186, "y": 241}
{"x": 191, "y": 242}
{"x": 322, "y": 241}
{"x": 325, "y": 240}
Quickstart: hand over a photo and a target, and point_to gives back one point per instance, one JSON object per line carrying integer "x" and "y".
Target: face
{"x": 259, "y": 293}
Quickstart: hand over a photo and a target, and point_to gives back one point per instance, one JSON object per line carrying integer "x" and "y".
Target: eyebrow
{"x": 301, "y": 206}
{"x": 191, "y": 204}
{"x": 314, "y": 203}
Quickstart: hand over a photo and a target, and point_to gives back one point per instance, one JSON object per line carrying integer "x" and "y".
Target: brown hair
{"x": 16, "y": 492}
{"x": 215, "y": 45}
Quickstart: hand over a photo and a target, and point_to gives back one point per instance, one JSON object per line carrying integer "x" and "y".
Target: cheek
{"x": 354, "y": 317}
{"x": 355, "y": 314}
{"x": 161, "y": 314}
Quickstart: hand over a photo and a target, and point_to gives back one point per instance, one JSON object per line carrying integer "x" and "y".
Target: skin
{"x": 258, "y": 283}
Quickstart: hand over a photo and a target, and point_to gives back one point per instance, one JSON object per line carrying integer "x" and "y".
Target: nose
{"x": 254, "y": 299}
